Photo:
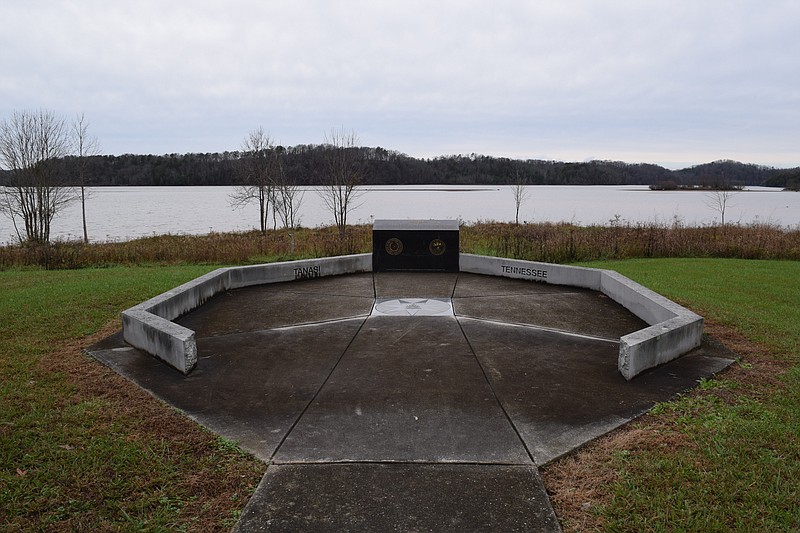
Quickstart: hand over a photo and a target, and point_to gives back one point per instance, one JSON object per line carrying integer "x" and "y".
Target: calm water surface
{"x": 119, "y": 213}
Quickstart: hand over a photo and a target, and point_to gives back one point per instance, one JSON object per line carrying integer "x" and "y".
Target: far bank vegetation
{"x": 308, "y": 165}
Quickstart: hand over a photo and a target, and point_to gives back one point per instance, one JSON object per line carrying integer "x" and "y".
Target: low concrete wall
{"x": 658, "y": 344}
{"x": 673, "y": 331}
{"x": 170, "y": 342}
{"x": 294, "y": 270}
{"x": 588, "y": 278}
{"x": 149, "y": 327}
{"x": 641, "y": 301}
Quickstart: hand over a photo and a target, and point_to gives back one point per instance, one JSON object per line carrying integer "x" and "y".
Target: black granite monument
{"x": 415, "y": 245}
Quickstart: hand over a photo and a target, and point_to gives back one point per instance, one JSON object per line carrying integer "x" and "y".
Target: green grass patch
{"x": 40, "y": 309}
{"x": 67, "y": 460}
{"x": 741, "y": 471}
{"x": 759, "y": 298}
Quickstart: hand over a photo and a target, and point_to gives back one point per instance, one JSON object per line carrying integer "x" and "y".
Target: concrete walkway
{"x": 429, "y": 411}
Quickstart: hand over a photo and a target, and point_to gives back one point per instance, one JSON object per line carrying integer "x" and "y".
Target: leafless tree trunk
{"x": 344, "y": 175}
{"x": 520, "y": 192}
{"x": 30, "y": 144}
{"x": 85, "y": 146}
{"x": 286, "y": 201}
{"x": 288, "y": 198}
{"x": 258, "y": 166}
{"x": 719, "y": 201}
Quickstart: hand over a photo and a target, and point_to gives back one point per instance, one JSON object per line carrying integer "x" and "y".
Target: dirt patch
{"x": 218, "y": 481}
{"x": 580, "y": 482}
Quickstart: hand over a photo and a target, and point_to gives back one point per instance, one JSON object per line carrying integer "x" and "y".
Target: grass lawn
{"x": 82, "y": 449}
{"x": 759, "y": 298}
{"x": 725, "y": 457}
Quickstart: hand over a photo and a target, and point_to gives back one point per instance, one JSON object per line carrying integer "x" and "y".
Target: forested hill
{"x": 305, "y": 165}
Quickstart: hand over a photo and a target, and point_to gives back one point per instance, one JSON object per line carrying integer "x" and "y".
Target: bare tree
{"x": 31, "y": 142}
{"x": 344, "y": 174}
{"x": 259, "y": 164}
{"x": 288, "y": 198}
{"x": 520, "y": 192}
{"x": 719, "y": 201}
{"x": 85, "y": 146}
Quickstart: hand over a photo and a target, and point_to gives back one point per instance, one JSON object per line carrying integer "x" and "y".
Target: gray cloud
{"x": 672, "y": 82}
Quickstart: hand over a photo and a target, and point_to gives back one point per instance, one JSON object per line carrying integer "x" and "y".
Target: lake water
{"x": 120, "y": 213}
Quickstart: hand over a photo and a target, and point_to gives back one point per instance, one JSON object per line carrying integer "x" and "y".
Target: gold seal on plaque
{"x": 394, "y": 246}
{"x": 437, "y": 247}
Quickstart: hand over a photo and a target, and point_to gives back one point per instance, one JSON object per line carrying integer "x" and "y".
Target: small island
{"x": 672, "y": 186}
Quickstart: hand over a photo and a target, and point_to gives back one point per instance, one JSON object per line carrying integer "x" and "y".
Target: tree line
{"x": 47, "y": 162}
{"x": 306, "y": 165}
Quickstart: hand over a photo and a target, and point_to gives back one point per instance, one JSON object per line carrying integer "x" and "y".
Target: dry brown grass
{"x": 219, "y": 480}
{"x": 555, "y": 243}
{"x": 566, "y": 243}
{"x": 213, "y": 248}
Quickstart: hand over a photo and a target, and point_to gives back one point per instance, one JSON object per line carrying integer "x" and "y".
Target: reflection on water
{"x": 118, "y": 213}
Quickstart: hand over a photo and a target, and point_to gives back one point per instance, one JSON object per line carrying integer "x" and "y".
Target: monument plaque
{"x": 408, "y": 245}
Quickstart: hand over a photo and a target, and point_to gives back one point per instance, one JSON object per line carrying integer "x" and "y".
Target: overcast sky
{"x": 670, "y": 82}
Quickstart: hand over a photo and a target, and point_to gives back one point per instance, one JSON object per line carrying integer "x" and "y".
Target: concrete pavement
{"x": 405, "y": 421}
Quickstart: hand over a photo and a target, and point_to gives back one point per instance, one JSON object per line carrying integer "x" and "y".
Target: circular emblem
{"x": 394, "y": 246}
{"x": 437, "y": 247}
